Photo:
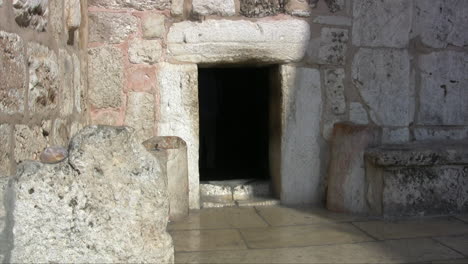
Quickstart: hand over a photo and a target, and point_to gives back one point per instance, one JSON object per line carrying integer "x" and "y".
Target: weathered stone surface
{"x": 238, "y": 41}
{"x": 395, "y": 135}
{"x": 346, "y": 172}
{"x": 66, "y": 87}
{"x": 106, "y": 117}
{"x": 43, "y": 78}
{"x": 301, "y": 179}
{"x": 144, "y": 51}
{"x": 30, "y": 141}
{"x": 141, "y": 78}
{"x": 5, "y": 151}
{"x": 78, "y": 82}
{"x": 440, "y": 133}
{"x": 261, "y": 8}
{"x": 75, "y": 127}
{"x": 298, "y": 8}
{"x": 177, "y": 8}
{"x": 56, "y": 16}
{"x": 31, "y": 13}
{"x": 53, "y": 155}
{"x": 172, "y": 154}
{"x": 60, "y": 133}
{"x": 134, "y": 4}
{"x": 333, "y": 20}
{"x": 111, "y": 27}
{"x": 105, "y": 69}
{"x": 73, "y": 14}
{"x": 103, "y": 209}
{"x": 335, "y": 5}
{"x": 152, "y": 25}
{"x": 358, "y": 114}
{"x": 12, "y": 73}
{"x": 443, "y": 94}
{"x": 385, "y": 23}
{"x": 214, "y": 7}
{"x": 334, "y": 89}
{"x": 141, "y": 114}
{"x": 441, "y": 22}
{"x": 383, "y": 79}
{"x": 179, "y": 116}
{"x": 330, "y": 47}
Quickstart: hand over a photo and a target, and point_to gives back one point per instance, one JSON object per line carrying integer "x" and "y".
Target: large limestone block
{"x": 141, "y": 5}
{"x": 140, "y": 114}
{"x": 384, "y": 23}
{"x": 443, "y": 92}
{"x": 12, "y": 73}
{"x": 106, "y": 203}
{"x": 440, "y": 23}
{"x": 178, "y": 85}
{"x": 111, "y": 27}
{"x": 384, "y": 81}
{"x": 301, "y": 178}
{"x": 214, "y": 7}
{"x": 238, "y": 41}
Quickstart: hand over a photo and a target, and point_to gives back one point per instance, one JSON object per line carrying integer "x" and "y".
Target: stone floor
{"x": 286, "y": 235}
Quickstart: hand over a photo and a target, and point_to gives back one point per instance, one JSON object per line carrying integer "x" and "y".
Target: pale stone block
{"x": 333, "y": 20}
{"x": 78, "y": 82}
{"x": 214, "y": 7}
{"x": 141, "y": 5}
{"x": 30, "y": 141}
{"x": 383, "y": 79}
{"x": 12, "y": 73}
{"x": 141, "y": 114}
{"x": 440, "y": 23}
{"x": 443, "y": 93}
{"x": 395, "y": 135}
{"x": 43, "y": 78}
{"x": 31, "y": 13}
{"x": 358, "y": 114}
{"x": 73, "y": 14}
{"x": 111, "y": 27}
{"x": 179, "y": 116}
{"x": 5, "y": 151}
{"x": 298, "y": 8}
{"x": 105, "y": 69}
{"x": 334, "y": 89}
{"x": 144, "y": 51}
{"x": 238, "y": 41}
{"x": 152, "y": 25}
{"x": 301, "y": 179}
{"x": 385, "y": 23}
{"x": 66, "y": 71}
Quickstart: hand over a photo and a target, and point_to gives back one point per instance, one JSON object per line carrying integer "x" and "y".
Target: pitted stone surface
{"x": 108, "y": 202}
{"x": 214, "y": 7}
{"x": 261, "y": 8}
{"x": 12, "y": 73}
{"x": 30, "y": 141}
{"x": 5, "y": 156}
{"x": 334, "y": 89}
{"x": 111, "y": 27}
{"x": 105, "y": 69}
{"x": 385, "y": 23}
{"x": 443, "y": 95}
{"x": 383, "y": 79}
{"x": 31, "y": 13}
{"x": 140, "y": 114}
{"x": 141, "y": 5}
{"x": 441, "y": 22}
{"x": 144, "y": 51}
{"x": 152, "y": 25}
{"x": 335, "y": 5}
{"x": 179, "y": 117}
{"x": 43, "y": 78}
{"x": 333, "y": 46}
{"x": 238, "y": 41}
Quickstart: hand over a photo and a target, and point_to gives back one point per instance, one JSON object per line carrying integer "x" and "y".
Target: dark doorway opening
{"x": 234, "y": 123}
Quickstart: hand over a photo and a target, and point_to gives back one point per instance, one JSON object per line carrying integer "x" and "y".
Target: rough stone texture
{"x": 111, "y": 27}
{"x": 105, "y": 76}
{"x": 335, "y": 5}
{"x": 261, "y": 8}
{"x": 12, "y": 73}
{"x": 214, "y": 7}
{"x": 152, "y": 25}
{"x": 73, "y": 14}
{"x": 134, "y": 4}
{"x": 140, "y": 114}
{"x": 60, "y": 133}
{"x": 440, "y": 133}
{"x": 346, "y": 172}
{"x": 358, "y": 114}
{"x": 385, "y": 23}
{"x": 31, "y": 13}
{"x": 5, "y": 154}
{"x": 67, "y": 77}
{"x": 108, "y": 201}
{"x": 110, "y": 118}
{"x": 333, "y": 46}
{"x": 177, "y": 8}
{"x": 144, "y": 51}
{"x": 179, "y": 117}
{"x": 56, "y": 16}
{"x": 334, "y": 89}
{"x": 440, "y": 23}
{"x": 383, "y": 79}
{"x": 395, "y": 135}
{"x": 30, "y": 141}
{"x": 443, "y": 93}
{"x": 238, "y": 41}
{"x": 43, "y": 78}
{"x": 298, "y": 8}
{"x": 333, "y": 20}
{"x": 172, "y": 154}
{"x": 78, "y": 83}
{"x": 301, "y": 177}
{"x": 141, "y": 78}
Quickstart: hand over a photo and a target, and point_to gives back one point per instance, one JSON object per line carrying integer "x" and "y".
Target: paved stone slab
{"x": 189, "y": 240}
{"x": 459, "y": 243}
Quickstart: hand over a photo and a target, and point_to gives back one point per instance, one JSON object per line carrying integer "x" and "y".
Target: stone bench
{"x": 420, "y": 178}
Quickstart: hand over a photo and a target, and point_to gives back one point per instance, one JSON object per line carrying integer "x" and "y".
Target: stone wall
{"x": 396, "y": 64}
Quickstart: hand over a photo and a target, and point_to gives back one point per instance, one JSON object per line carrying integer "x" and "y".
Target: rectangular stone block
{"x": 111, "y": 27}
{"x": 214, "y": 7}
{"x": 141, "y": 114}
{"x": 144, "y": 51}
